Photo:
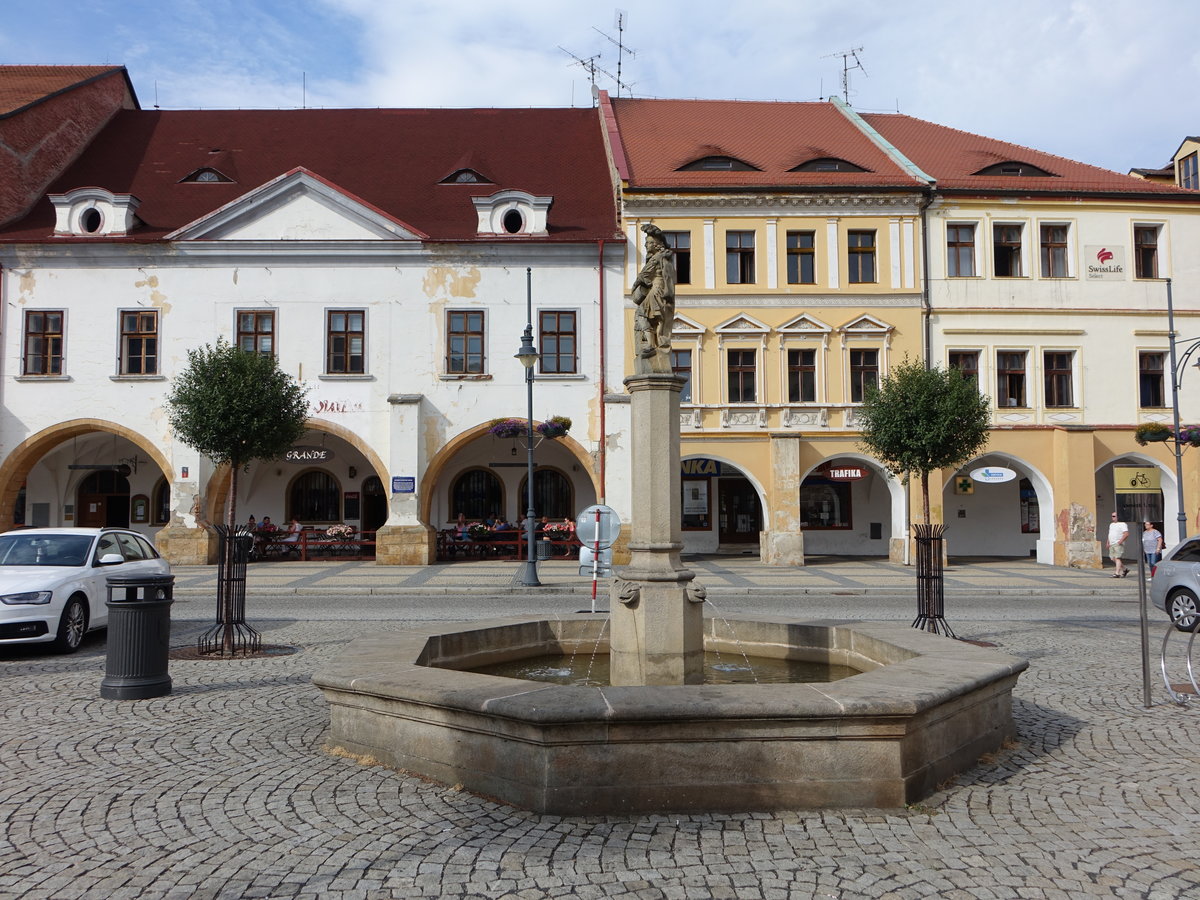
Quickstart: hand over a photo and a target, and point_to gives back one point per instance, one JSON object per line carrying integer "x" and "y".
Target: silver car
{"x": 53, "y": 581}
{"x": 1175, "y": 586}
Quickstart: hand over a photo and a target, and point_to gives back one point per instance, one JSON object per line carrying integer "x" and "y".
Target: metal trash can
{"x": 545, "y": 549}
{"x": 139, "y": 637}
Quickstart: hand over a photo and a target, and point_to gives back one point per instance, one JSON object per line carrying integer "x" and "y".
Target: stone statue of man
{"x": 654, "y": 294}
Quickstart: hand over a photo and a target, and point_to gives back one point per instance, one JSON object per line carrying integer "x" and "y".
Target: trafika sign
{"x": 993, "y": 475}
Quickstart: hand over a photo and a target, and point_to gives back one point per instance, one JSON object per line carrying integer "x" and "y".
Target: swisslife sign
{"x": 1104, "y": 263}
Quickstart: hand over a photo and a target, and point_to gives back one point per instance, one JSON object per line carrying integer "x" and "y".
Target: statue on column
{"x": 654, "y": 295}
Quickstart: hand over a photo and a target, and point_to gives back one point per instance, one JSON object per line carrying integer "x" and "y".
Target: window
{"x": 1189, "y": 175}
{"x": 556, "y": 342}
{"x": 1145, "y": 251}
{"x": 681, "y": 243}
{"x": 1054, "y": 251}
{"x": 1056, "y": 367}
{"x": 256, "y": 331}
{"x": 464, "y": 342}
{"x": 43, "y": 343}
{"x": 741, "y": 376}
{"x": 739, "y": 257}
{"x": 315, "y": 496}
{"x": 139, "y": 342}
{"x": 864, "y": 373}
{"x": 681, "y": 365}
{"x": 1014, "y": 169}
{"x": 553, "y": 496}
{"x": 827, "y": 164}
{"x": 801, "y": 268}
{"x": 477, "y": 494}
{"x": 160, "y": 508}
{"x": 967, "y": 362}
{"x": 802, "y": 376}
{"x": 1150, "y": 380}
{"x": 960, "y": 251}
{"x": 345, "y": 342}
{"x": 717, "y": 164}
{"x": 824, "y": 504}
{"x": 862, "y": 256}
{"x": 1006, "y": 248}
{"x": 696, "y": 504}
{"x": 1010, "y": 378}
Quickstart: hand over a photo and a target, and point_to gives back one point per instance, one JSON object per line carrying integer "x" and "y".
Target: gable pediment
{"x": 742, "y": 324}
{"x": 805, "y": 324}
{"x": 684, "y": 325}
{"x": 866, "y": 324}
{"x": 297, "y": 206}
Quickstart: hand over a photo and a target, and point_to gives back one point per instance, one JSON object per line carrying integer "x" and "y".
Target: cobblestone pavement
{"x": 222, "y": 789}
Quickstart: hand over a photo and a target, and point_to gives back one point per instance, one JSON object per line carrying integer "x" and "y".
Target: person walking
{"x": 1152, "y": 545}
{"x": 1118, "y": 531}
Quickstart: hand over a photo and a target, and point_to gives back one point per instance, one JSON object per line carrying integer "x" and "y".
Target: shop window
{"x": 696, "y": 504}
{"x": 1030, "y": 512}
{"x": 315, "y": 498}
{"x": 825, "y": 504}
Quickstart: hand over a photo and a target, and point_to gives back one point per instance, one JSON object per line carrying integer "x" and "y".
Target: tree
{"x": 236, "y": 407}
{"x": 922, "y": 419}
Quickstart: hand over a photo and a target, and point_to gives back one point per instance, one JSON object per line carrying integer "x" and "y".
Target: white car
{"x": 53, "y": 581}
{"x": 1175, "y": 584}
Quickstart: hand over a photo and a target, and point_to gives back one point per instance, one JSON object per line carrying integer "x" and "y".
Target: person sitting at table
{"x": 267, "y": 525}
{"x": 461, "y": 527}
{"x": 293, "y": 532}
{"x": 251, "y": 524}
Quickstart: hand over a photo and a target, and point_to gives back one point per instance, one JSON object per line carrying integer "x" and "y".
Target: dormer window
{"x": 827, "y": 164}
{"x": 717, "y": 164}
{"x": 207, "y": 175}
{"x": 1013, "y": 169}
{"x": 465, "y": 176}
{"x": 512, "y": 213}
{"x": 94, "y": 212}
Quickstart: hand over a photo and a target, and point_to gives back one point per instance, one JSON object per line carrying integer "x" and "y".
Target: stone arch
{"x": 1170, "y": 494}
{"x": 1043, "y": 488}
{"x": 743, "y": 471}
{"x": 899, "y": 497}
{"x": 17, "y": 465}
{"x": 218, "y": 485}
{"x": 437, "y": 465}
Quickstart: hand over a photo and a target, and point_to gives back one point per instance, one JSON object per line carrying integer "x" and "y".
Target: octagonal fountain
{"x": 922, "y": 708}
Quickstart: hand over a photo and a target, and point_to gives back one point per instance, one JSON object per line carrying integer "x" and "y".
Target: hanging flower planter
{"x": 508, "y": 428}
{"x": 1189, "y": 434}
{"x": 554, "y": 427}
{"x": 1151, "y": 432}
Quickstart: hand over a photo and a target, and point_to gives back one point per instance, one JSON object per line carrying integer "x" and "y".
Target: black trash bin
{"x": 545, "y": 549}
{"x": 139, "y": 637}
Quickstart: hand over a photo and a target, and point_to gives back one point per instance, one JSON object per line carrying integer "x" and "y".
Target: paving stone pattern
{"x": 222, "y": 789}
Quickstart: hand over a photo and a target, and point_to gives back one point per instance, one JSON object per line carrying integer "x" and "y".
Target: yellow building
{"x": 817, "y": 247}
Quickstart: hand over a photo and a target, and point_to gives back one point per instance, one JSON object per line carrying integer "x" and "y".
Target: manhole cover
{"x": 267, "y": 650}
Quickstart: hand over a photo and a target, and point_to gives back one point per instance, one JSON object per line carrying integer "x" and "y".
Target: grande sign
{"x": 304, "y": 455}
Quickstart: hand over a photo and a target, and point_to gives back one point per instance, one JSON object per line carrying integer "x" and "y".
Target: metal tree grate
{"x": 231, "y": 636}
{"x": 931, "y": 581}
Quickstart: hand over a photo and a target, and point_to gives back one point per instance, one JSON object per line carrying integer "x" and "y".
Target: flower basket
{"x": 554, "y": 427}
{"x": 557, "y": 532}
{"x": 1151, "y": 432}
{"x": 1189, "y": 434}
{"x": 340, "y": 532}
{"x": 478, "y": 532}
{"x": 508, "y": 428}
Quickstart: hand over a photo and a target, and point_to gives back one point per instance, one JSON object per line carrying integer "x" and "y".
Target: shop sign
{"x": 844, "y": 472}
{"x": 700, "y": 467}
{"x": 404, "y": 484}
{"x": 1136, "y": 480}
{"x": 1105, "y": 263}
{"x": 303, "y": 455}
{"x": 993, "y": 475}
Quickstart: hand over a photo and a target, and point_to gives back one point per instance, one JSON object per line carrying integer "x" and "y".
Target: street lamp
{"x": 1177, "y": 367}
{"x": 528, "y": 356}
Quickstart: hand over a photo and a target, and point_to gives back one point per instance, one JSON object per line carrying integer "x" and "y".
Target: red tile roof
{"x": 392, "y": 159}
{"x": 952, "y": 157}
{"x": 659, "y": 136}
{"x": 23, "y": 86}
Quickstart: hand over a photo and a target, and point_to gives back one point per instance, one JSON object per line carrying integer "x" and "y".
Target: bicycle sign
{"x": 1136, "y": 480}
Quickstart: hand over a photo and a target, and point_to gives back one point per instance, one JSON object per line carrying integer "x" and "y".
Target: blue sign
{"x": 403, "y": 484}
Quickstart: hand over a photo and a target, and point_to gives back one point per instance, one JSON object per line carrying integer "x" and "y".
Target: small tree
{"x": 236, "y": 407}
{"x": 919, "y": 420}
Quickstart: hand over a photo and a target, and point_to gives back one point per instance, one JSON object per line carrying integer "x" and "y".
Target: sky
{"x": 1106, "y": 82}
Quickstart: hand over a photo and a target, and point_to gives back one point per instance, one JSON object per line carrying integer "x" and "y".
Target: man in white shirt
{"x": 1117, "y": 533}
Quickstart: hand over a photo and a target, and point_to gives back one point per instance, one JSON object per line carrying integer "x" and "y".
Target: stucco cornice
{"x": 825, "y": 204}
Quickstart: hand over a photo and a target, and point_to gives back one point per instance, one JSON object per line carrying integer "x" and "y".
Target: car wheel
{"x": 1182, "y": 608}
{"x": 72, "y": 626}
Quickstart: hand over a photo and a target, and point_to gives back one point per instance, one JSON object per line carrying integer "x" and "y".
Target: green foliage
{"x": 235, "y": 407}
{"x": 920, "y": 420}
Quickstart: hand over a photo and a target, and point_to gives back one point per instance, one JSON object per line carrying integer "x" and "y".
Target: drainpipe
{"x": 603, "y": 377}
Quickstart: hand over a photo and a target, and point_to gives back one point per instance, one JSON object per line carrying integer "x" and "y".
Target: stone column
{"x": 657, "y": 616}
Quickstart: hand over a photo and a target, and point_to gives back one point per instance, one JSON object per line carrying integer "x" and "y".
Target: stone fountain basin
{"x": 924, "y": 709}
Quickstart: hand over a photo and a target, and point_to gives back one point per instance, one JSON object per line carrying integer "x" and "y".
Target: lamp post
{"x": 1177, "y": 367}
{"x": 528, "y": 356}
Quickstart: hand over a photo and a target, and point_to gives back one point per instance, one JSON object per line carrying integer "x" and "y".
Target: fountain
{"x": 923, "y": 708}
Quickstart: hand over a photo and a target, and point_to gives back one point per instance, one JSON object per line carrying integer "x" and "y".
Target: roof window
{"x": 1014, "y": 169}
{"x": 465, "y": 176}
{"x": 717, "y": 164}
{"x": 94, "y": 212}
{"x": 827, "y": 164}
{"x": 513, "y": 213}
{"x": 206, "y": 175}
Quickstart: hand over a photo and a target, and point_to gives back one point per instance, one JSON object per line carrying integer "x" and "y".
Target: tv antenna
{"x": 590, "y": 65}
{"x": 619, "y": 19}
{"x": 847, "y": 68}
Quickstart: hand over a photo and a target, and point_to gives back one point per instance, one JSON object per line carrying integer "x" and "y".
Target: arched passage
{"x": 723, "y": 506}
{"x": 1011, "y": 518}
{"x": 1161, "y": 507}
{"x": 16, "y": 468}
{"x": 851, "y": 506}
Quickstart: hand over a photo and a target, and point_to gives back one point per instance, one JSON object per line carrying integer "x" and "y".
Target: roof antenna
{"x": 620, "y": 17}
{"x": 847, "y": 68}
{"x": 303, "y": 90}
{"x": 156, "y": 93}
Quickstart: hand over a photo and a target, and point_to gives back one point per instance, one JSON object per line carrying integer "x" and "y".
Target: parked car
{"x": 1175, "y": 584}
{"x": 53, "y": 580}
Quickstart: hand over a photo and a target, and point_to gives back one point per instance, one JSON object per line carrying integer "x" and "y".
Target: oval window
{"x": 90, "y": 220}
{"x": 513, "y": 221}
